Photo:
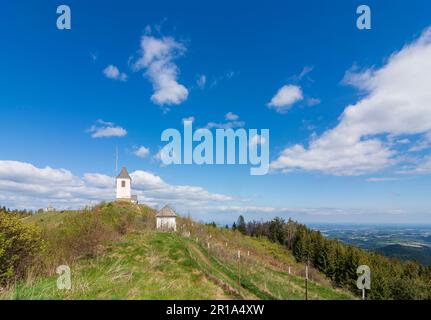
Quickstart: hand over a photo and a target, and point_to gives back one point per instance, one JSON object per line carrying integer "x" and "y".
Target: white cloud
{"x": 305, "y": 71}
{"x": 358, "y": 79}
{"x": 422, "y": 167}
{"x": 24, "y": 185}
{"x": 103, "y": 129}
{"x": 157, "y": 56}
{"x": 397, "y": 102}
{"x": 285, "y": 97}
{"x": 142, "y": 152}
{"x": 201, "y": 82}
{"x": 25, "y": 172}
{"x": 191, "y": 118}
{"x": 231, "y": 121}
{"x": 225, "y": 125}
{"x": 112, "y": 72}
{"x": 256, "y": 140}
{"x": 99, "y": 180}
{"x": 230, "y": 116}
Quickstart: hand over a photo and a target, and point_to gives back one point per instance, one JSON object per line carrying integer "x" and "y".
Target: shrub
{"x": 19, "y": 245}
{"x": 79, "y": 236}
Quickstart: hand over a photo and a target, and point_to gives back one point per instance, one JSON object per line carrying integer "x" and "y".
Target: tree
{"x": 241, "y": 224}
{"x": 276, "y": 232}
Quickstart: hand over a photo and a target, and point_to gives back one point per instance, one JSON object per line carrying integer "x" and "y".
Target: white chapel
{"x": 124, "y": 187}
{"x": 166, "y": 219}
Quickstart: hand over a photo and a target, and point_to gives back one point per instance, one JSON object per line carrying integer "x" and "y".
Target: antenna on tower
{"x": 116, "y": 160}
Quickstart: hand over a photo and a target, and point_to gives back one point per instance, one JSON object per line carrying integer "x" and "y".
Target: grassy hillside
{"x": 196, "y": 262}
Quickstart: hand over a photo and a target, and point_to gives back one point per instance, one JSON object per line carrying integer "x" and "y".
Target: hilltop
{"x": 114, "y": 252}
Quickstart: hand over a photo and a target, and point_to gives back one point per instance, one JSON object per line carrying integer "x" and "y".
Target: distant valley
{"x": 405, "y": 242}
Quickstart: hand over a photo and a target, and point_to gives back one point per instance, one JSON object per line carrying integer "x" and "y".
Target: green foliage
{"x": 20, "y": 213}
{"x": 19, "y": 245}
{"x": 391, "y": 278}
{"x": 241, "y": 225}
{"x": 63, "y": 238}
{"x": 85, "y": 234}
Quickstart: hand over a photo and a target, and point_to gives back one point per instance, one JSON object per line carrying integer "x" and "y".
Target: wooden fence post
{"x": 239, "y": 269}
{"x": 306, "y": 282}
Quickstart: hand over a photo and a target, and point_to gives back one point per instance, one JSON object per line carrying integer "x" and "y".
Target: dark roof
{"x": 124, "y": 174}
{"x": 166, "y": 211}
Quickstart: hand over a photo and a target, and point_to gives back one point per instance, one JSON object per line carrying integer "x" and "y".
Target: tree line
{"x": 18, "y": 212}
{"x": 390, "y": 278}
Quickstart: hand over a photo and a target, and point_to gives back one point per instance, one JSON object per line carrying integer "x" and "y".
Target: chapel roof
{"x": 166, "y": 211}
{"x": 124, "y": 174}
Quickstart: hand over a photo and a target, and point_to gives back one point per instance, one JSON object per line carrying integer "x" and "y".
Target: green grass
{"x": 145, "y": 264}
{"x": 142, "y": 266}
{"x": 268, "y": 283}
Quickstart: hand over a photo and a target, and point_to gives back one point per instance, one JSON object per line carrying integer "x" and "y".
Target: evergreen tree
{"x": 241, "y": 224}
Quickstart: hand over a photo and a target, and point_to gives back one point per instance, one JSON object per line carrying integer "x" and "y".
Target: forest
{"x": 390, "y": 278}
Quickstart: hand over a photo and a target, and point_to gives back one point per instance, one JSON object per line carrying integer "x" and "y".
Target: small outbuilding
{"x": 166, "y": 219}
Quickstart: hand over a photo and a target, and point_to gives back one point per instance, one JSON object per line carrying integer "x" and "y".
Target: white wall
{"x": 124, "y": 192}
{"x": 166, "y": 223}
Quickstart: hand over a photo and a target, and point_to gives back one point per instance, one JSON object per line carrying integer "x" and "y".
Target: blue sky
{"x": 370, "y": 165}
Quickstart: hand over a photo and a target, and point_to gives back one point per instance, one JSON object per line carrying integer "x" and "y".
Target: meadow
{"x": 114, "y": 252}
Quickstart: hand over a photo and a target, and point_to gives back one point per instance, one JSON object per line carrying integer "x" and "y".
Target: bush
{"x": 25, "y": 250}
{"x": 79, "y": 236}
{"x": 19, "y": 245}
{"x": 84, "y": 234}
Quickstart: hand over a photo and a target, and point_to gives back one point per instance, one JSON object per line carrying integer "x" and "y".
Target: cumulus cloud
{"x": 103, "y": 129}
{"x": 25, "y": 185}
{"x": 112, "y": 72}
{"x": 285, "y": 97}
{"x": 142, "y": 152}
{"x": 157, "y": 57}
{"x": 231, "y": 121}
{"x": 396, "y": 102}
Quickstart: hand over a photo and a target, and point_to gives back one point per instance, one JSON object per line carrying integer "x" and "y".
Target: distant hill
{"x": 421, "y": 254}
